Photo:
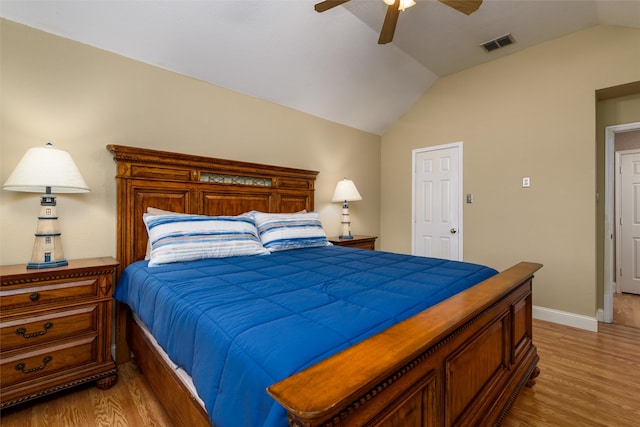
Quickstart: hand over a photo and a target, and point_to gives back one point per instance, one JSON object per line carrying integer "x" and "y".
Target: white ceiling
{"x": 326, "y": 64}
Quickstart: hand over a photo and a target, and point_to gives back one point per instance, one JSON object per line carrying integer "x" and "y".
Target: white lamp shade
{"x": 346, "y": 190}
{"x": 43, "y": 167}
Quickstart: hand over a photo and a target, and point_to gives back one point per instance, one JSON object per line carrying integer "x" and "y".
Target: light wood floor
{"x": 626, "y": 309}
{"x": 587, "y": 379}
{"x": 130, "y": 403}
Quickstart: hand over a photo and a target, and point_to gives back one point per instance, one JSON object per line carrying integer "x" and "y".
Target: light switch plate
{"x": 526, "y": 182}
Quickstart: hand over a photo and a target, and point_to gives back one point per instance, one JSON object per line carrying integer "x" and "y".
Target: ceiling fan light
{"x": 405, "y": 4}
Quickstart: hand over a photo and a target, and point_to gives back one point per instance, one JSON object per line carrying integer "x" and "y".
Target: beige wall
{"x": 82, "y": 98}
{"x": 532, "y": 113}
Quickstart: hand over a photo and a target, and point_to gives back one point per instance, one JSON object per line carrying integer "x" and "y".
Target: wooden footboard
{"x": 461, "y": 362}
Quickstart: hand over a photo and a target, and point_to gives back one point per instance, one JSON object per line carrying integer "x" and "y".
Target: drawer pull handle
{"x": 45, "y": 360}
{"x": 23, "y": 331}
{"x": 34, "y": 296}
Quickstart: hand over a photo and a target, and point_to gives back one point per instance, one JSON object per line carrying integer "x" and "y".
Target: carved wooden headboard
{"x": 198, "y": 185}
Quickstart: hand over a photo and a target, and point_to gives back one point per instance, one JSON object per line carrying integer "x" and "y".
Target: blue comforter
{"x": 238, "y": 325}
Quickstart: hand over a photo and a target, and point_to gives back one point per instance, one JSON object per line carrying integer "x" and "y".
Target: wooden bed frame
{"x": 461, "y": 362}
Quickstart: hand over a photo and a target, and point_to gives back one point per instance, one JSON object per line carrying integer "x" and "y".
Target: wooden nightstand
{"x": 55, "y": 327}
{"x": 361, "y": 242}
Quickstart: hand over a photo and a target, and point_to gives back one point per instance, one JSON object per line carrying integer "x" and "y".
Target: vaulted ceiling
{"x": 327, "y": 64}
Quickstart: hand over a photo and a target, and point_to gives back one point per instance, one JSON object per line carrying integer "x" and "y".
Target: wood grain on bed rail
{"x": 463, "y": 349}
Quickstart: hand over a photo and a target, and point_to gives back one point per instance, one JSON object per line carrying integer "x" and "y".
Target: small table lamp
{"x": 46, "y": 169}
{"x": 346, "y": 192}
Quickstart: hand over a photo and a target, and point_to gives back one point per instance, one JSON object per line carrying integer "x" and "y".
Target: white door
{"x": 437, "y": 202}
{"x": 628, "y": 235}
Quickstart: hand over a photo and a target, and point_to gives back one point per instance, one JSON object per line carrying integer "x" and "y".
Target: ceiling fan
{"x": 393, "y": 11}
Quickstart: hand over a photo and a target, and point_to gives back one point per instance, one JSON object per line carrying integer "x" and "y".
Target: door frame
{"x": 414, "y": 153}
{"x": 610, "y": 215}
{"x": 618, "y": 208}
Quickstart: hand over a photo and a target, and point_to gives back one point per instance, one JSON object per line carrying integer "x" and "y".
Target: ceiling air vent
{"x": 501, "y": 41}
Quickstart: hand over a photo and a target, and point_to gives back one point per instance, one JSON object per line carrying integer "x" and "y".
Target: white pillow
{"x": 177, "y": 238}
{"x": 280, "y": 231}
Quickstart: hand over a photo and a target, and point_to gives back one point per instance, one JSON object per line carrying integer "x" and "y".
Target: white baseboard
{"x": 565, "y": 318}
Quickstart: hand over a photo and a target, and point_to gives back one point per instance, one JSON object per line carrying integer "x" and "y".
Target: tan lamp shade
{"x": 43, "y": 167}
{"x": 346, "y": 190}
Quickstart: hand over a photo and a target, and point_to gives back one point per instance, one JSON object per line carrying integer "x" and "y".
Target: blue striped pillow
{"x": 177, "y": 238}
{"x": 156, "y": 211}
{"x": 279, "y": 232}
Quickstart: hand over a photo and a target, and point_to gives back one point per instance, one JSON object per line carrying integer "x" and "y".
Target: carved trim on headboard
{"x": 200, "y": 163}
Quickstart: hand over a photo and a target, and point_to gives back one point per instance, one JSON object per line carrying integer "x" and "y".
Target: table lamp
{"x": 46, "y": 170}
{"x": 345, "y": 192}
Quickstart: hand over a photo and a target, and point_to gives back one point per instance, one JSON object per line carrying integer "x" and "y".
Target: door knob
{"x": 453, "y": 231}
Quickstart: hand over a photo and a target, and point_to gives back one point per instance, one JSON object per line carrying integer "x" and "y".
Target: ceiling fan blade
{"x": 328, "y": 4}
{"x": 389, "y": 25}
{"x": 465, "y": 6}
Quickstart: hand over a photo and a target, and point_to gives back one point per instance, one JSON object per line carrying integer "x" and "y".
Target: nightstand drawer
{"x": 35, "y": 296}
{"x": 48, "y": 327}
{"x": 362, "y": 245}
{"x": 40, "y": 363}
{"x": 360, "y": 242}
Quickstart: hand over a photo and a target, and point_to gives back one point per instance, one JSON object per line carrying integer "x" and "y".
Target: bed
{"x": 461, "y": 361}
